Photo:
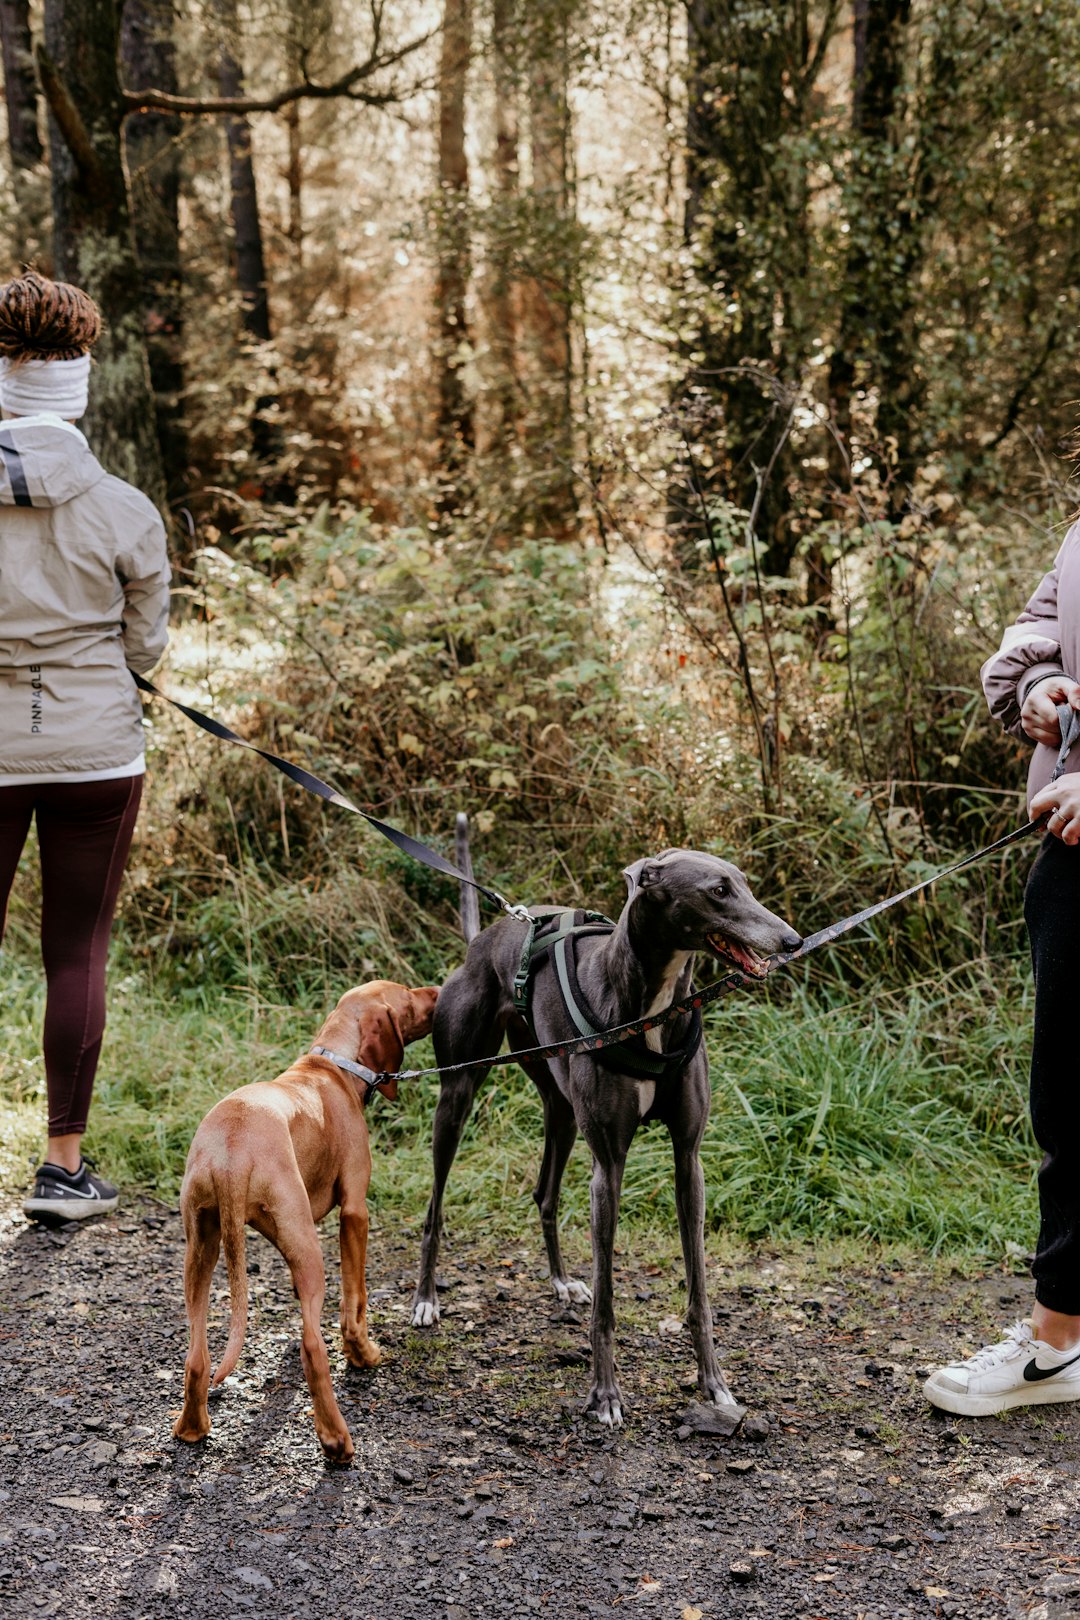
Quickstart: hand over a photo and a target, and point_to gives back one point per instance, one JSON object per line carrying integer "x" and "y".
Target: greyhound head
{"x": 697, "y": 902}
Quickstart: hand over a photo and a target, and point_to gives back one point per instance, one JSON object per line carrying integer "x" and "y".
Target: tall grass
{"x": 876, "y": 1091}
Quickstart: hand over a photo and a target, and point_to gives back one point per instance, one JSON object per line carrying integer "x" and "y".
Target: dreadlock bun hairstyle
{"x": 47, "y": 329}
{"x": 46, "y": 320}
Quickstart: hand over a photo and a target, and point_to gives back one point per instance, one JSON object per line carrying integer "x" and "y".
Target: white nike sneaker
{"x": 1020, "y": 1371}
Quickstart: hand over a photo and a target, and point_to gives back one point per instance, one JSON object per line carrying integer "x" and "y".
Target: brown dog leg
{"x": 361, "y": 1350}
{"x": 306, "y": 1264}
{"x": 203, "y": 1242}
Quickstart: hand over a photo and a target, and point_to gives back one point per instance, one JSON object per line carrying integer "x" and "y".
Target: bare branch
{"x": 350, "y": 86}
{"x": 69, "y": 119}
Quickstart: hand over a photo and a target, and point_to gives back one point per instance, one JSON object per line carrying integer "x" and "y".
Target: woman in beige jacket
{"x": 84, "y": 600}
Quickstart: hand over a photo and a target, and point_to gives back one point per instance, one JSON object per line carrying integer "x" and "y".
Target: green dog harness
{"x": 554, "y": 934}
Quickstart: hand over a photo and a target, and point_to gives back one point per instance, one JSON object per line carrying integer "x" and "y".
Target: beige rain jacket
{"x": 84, "y": 599}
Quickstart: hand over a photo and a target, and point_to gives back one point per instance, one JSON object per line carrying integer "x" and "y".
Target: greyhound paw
{"x": 715, "y": 1390}
{"x": 605, "y": 1405}
{"x": 569, "y": 1291}
{"x": 425, "y": 1313}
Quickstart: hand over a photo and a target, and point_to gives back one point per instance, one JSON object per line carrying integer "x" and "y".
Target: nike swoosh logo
{"x": 73, "y": 1192}
{"x": 1034, "y": 1374}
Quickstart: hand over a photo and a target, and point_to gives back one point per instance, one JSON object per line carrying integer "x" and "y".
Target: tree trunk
{"x": 152, "y": 150}
{"x": 94, "y": 243}
{"x": 549, "y": 291}
{"x": 742, "y": 221}
{"x": 294, "y": 176}
{"x": 250, "y": 262}
{"x": 876, "y": 330}
{"x": 294, "y": 167}
{"x": 501, "y": 306}
{"x": 20, "y": 85}
{"x": 455, "y": 413}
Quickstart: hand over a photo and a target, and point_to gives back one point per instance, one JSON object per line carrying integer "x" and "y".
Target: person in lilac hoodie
{"x": 1034, "y": 670}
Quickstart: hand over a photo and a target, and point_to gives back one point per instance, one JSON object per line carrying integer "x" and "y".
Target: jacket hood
{"x": 44, "y": 461}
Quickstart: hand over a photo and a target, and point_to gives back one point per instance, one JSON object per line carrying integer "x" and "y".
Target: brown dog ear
{"x": 422, "y": 1005}
{"x": 381, "y": 1045}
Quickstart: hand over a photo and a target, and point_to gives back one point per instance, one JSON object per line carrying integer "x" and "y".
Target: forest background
{"x": 633, "y": 424}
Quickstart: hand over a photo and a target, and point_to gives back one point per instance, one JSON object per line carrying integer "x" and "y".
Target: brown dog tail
{"x": 470, "y": 903}
{"x": 231, "y": 1204}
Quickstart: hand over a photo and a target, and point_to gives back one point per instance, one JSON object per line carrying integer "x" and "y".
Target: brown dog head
{"x": 388, "y": 1017}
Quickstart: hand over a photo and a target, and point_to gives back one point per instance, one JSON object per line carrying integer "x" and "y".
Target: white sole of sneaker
{"x": 1050, "y": 1393}
{"x": 69, "y": 1209}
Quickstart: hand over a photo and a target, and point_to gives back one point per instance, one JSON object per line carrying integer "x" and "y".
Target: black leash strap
{"x": 732, "y": 981}
{"x": 322, "y": 790}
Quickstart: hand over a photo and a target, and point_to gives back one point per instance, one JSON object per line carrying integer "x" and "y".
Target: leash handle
{"x": 1069, "y": 721}
{"x": 322, "y": 790}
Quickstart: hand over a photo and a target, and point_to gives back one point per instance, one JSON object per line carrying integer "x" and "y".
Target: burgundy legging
{"x": 84, "y": 833}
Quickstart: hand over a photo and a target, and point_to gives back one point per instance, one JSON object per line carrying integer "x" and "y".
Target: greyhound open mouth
{"x": 727, "y": 951}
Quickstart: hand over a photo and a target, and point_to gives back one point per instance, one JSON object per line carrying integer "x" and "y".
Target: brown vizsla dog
{"x": 278, "y": 1155}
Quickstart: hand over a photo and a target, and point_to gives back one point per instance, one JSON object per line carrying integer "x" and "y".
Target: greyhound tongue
{"x": 728, "y": 951}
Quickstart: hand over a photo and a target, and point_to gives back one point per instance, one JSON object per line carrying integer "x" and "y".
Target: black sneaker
{"x": 66, "y": 1195}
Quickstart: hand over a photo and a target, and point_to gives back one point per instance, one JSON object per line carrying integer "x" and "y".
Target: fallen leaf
{"x": 691, "y": 1614}
{"x": 504, "y": 1541}
{"x": 935, "y": 1591}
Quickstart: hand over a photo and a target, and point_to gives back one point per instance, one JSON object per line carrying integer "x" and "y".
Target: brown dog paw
{"x": 362, "y": 1352}
{"x": 191, "y": 1429}
{"x": 337, "y": 1448}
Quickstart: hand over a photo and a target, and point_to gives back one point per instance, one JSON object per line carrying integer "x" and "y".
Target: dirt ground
{"x": 478, "y": 1489}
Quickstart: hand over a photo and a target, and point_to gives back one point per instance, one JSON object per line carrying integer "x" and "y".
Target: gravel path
{"x": 478, "y": 1490}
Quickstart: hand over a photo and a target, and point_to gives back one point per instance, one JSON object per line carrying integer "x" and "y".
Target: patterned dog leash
{"x": 1069, "y": 722}
{"x": 738, "y": 980}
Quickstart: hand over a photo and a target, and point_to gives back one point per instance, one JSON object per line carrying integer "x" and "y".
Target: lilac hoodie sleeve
{"x": 1030, "y": 651}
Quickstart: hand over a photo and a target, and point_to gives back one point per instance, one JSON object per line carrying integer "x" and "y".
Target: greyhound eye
{"x": 720, "y": 890}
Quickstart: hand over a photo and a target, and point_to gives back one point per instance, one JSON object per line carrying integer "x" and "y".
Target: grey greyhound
{"x": 680, "y": 902}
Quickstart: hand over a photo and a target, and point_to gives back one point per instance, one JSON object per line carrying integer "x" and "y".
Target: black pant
{"x": 1052, "y": 913}
{"x": 84, "y": 833}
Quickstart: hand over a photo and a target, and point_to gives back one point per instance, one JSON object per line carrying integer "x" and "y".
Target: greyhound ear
{"x": 640, "y": 876}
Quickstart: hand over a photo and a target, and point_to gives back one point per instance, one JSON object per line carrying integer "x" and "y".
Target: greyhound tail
{"x": 231, "y": 1203}
{"x": 470, "y": 904}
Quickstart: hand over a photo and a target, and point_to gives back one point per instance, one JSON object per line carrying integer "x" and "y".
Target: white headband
{"x": 60, "y": 386}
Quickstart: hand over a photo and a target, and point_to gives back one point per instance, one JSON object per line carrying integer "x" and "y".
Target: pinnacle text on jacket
{"x": 36, "y": 713}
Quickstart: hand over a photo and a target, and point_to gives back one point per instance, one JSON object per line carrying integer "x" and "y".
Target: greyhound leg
{"x": 361, "y": 1350}
{"x": 690, "y": 1203}
{"x": 200, "y": 1258}
{"x": 451, "y": 1112}
{"x": 605, "y": 1400}
{"x": 560, "y": 1133}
